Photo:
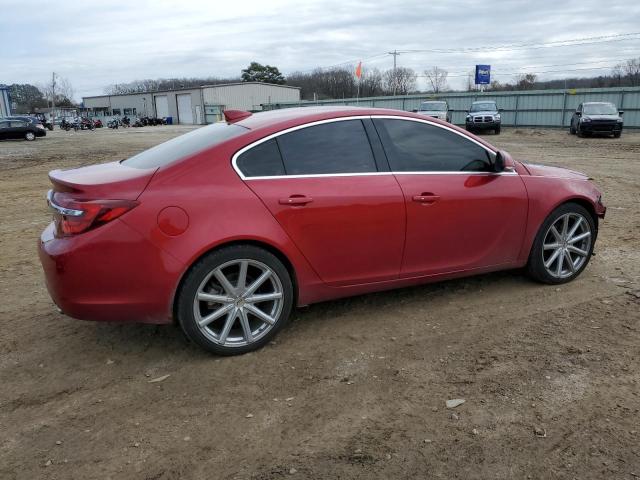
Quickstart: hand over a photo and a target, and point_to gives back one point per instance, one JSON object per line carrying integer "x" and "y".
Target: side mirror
{"x": 578, "y": 113}
{"x": 498, "y": 163}
{"x": 500, "y": 110}
{"x": 621, "y": 112}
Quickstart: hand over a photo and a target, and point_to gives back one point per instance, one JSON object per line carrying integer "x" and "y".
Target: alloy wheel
{"x": 566, "y": 245}
{"x": 238, "y": 302}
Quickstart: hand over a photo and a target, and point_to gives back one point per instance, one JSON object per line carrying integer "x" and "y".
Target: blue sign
{"x": 483, "y": 74}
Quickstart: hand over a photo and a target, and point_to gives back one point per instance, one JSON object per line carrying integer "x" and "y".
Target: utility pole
{"x": 395, "y": 80}
{"x": 53, "y": 98}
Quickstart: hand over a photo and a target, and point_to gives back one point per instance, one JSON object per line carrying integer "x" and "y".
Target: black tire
{"x": 572, "y": 131}
{"x": 497, "y": 131}
{"x": 198, "y": 274}
{"x": 535, "y": 265}
{"x": 30, "y": 136}
{"x": 617, "y": 134}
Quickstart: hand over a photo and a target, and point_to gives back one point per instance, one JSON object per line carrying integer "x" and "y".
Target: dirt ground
{"x": 352, "y": 389}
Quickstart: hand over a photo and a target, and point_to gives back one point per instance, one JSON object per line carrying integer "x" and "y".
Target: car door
{"x": 460, "y": 215}
{"x": 17, "y": 129}
{"x": 322, "y": 184}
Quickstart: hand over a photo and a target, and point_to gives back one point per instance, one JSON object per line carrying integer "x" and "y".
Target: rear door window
{"x": 329, "y": 148}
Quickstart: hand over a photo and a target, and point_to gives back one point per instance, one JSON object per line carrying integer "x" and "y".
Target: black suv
{"x": 596, "y": 117}
{"x": 12, "y": 128}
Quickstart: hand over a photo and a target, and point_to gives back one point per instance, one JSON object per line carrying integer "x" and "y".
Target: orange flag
{"x": 359, "y": 70}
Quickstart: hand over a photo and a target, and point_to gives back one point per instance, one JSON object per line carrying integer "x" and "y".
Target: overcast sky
{"x": 94, "y": 44}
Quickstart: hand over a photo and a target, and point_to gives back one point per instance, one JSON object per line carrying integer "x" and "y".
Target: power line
{"x": 505, "y": 47}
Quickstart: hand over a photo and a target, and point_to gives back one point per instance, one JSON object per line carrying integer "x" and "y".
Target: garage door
{"x": 185, "y": 114}
{"x": 162, "y": 106}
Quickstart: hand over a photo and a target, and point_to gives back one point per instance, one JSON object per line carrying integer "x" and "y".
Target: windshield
{"x": 433, "y": 107}
{"x": 484, "y": 107}
{"x": 185, "y": 145}
{"x": 600, "y": 109}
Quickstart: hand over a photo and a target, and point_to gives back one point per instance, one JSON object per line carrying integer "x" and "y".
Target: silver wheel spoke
{"x": 209, "y": 297}
{"x": 567, "y": 255}
{"x": 260, "y": 314}
{"x": 552, "y": 258}
{"x": 551, "y": 246}
{"x": 231, "y": 318}
{"x": 264, "y": 297}
{"x": 577, "y": 238}
{"x": 565, "y": 225}
{"x": 215, "y": 315}
{"x": 555, "y": 232}
{"x": 242, "y": 276}
{"x": 560, "y": 262}
{"x": 246, "y": 327}
{"x": 582, "y": 253}
{"x": 255, "y": 285}
{"x": 224, "y": 282}
{"x": 575, "y": 227}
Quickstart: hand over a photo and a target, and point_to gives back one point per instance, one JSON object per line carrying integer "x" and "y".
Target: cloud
{"x": 97, "y": 44}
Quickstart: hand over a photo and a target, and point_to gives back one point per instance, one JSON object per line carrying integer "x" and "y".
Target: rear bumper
{"x": 41, "y": 132}
{"x": 109, "y": 274}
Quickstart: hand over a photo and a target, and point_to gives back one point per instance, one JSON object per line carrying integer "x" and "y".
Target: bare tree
{"x": 437, "y": 78}
{"x": 400, "y": 80}
{"x": 526, "y": 81}
{"x": 371, "y": 83}
{"x": 631, "y": 69}
{"x": 62, "y": 89}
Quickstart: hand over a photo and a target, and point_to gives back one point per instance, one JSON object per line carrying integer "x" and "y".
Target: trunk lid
{"x": 109, "y": 180}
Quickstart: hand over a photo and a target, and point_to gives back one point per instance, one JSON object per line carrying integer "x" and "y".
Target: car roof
{"x": 597, "y": 103}
{"x": 483, "y": 101}
{"x": 271, "y": 121}
{"x": 301, "y": 115}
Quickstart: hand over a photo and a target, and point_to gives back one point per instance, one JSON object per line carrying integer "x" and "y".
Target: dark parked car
{"x": 596, "y": 117}
{"x": 35, "y": 119}
{"x": 12, "y": 128}
{"x": 483, "y": 115}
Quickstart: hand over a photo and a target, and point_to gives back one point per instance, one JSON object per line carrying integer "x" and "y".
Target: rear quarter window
{"x": 185, "y": 145}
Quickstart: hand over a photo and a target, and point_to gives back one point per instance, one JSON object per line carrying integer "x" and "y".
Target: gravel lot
{"x": 354, "y": 388}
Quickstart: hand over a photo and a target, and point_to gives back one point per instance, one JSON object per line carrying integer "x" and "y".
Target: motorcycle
{"x": 114, "y": 123}
{"x": 97, "y": 123}
{"x": 66, "y": 126}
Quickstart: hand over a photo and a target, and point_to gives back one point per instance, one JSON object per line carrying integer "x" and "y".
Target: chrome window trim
{"x": 234, "y": 159}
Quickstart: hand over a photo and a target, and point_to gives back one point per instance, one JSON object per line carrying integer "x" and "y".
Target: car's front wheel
{"x": 235, "y": 300}
{"x": 30, "y": 136}
{"x": 563, "y": 246}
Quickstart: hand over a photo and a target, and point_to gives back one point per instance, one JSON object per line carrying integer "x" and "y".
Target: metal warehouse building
{"x": 197, "y": 105}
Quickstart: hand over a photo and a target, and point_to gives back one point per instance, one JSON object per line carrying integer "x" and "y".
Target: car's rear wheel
{"x": 235, "y": 300}
{"x": 30, "y": 136}
{"x": 563, "y": 246}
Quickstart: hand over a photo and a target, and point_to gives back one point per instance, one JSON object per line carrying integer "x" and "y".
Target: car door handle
{"x": 426, "y": 198}
{"x": 295, "y": 200}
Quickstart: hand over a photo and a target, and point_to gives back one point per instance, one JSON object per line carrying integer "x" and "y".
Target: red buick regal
{"x": 227, "y": 228}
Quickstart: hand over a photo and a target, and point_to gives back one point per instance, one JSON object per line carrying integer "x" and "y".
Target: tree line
{"x": 327, "y": 83}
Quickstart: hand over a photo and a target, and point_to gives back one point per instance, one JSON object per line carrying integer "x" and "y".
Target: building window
{"x": 129, "y": 111}
{"x": 115, "y": 111}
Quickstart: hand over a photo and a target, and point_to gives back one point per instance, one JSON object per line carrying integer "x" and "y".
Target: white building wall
{"x": 248, "y": 96}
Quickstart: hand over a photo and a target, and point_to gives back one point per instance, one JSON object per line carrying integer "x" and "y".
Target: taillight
{"x": 72, "y": 216}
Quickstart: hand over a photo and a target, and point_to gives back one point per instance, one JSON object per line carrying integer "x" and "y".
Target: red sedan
{"x": 226, "y": 228}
